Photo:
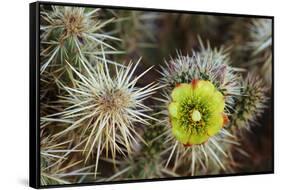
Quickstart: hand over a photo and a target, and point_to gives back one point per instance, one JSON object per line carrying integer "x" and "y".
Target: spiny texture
{"x": 202, "y": 159}
{"x": 99, "y": 116}
{"x": 103, "y": 109}
{"x": 197, "y": 152}
{"x": 260, "y": 44}
{"x": 251, "y": 103}
{"x": 146, "y": 162}
{"x": 195, "y": 117}
{"x": 261, "y": 35}
{"x": 57, "y": 167}
{"x": 70, "y": 33}
{"x": 208, "y": 64}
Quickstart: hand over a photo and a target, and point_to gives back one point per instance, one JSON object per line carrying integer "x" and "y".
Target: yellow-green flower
{"x": 196, "y": 112}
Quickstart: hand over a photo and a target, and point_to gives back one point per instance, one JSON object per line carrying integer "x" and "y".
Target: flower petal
{"x": 218, "y": 102}
{"x": 198, "y": 138}
{"x": 215, "y": 124}
{"x": 174, "y": 109}
{"x": 179, "y": 132}
{"x": 182, "y": 91}
{"x": 204, "y": 89}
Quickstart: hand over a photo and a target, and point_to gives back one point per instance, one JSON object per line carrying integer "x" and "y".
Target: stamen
{"x": 196, "y": 115}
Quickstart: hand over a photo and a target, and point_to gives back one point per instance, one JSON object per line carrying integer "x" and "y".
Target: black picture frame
{"x": 34, "y": 89}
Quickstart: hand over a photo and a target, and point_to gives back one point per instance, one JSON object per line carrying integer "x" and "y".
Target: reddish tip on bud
{"x": 194, "y": 83}
{"x": 178, "y": 84}
{"x": 225, "y": 119}
{"x": 187, "y": 145}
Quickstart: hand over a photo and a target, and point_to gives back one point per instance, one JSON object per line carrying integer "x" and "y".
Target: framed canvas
{"x": 121, "y": 94}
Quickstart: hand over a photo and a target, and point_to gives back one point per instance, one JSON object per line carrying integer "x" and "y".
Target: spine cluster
{"x": 110, "y": 110}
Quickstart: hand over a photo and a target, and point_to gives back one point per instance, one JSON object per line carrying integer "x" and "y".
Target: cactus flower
{"x": 196, "y": 112}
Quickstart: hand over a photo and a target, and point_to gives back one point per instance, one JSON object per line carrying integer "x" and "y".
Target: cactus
{"x": 104, "y": 108}
{"x": 57, "y": 167}
{"x": 202, "y": 94}
{"x": 146, "y": 162}
{"x": 251, "y": 104}
{"x": 260, "y": 44}
{"x": 208, "y": 64}
{"x": 100, "y": 115}
{"x": 70, "y": 33}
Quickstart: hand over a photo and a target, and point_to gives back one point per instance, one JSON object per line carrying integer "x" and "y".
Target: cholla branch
{"x": 107, "y": 111}
{"x": 70, "y": 33}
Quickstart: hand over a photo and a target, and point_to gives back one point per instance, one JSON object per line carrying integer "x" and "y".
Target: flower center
{"x": 196, "y": 115}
